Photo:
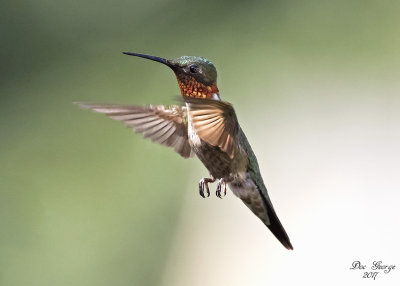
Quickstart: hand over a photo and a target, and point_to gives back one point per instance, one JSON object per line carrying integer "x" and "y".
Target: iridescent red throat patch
{"x": 192, "y": 88}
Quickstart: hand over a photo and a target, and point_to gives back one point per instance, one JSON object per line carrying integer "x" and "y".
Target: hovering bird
{"x": 206, "y": 127}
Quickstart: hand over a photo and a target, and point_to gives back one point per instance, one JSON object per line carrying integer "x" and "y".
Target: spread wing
{"x": 215, "y": 122}
{"x": 165, "y": 125}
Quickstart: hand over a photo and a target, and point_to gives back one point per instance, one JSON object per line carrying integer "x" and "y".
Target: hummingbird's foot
{"x": 204, "y": 183}
{"x": 219, "y": 188}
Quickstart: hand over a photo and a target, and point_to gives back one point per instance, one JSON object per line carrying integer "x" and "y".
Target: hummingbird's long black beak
{"x": 153, "y": 58}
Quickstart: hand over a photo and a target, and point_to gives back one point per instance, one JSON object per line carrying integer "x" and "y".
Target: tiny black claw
{"x": 218, "y": 192}
{"x": 204, "y": 183}
{"x": 201, "y": 190}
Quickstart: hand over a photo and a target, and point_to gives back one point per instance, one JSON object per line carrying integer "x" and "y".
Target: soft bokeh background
{"x": 83, "y": 201}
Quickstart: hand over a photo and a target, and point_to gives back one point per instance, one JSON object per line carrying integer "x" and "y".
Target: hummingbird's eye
{"x": 194, "y": 69}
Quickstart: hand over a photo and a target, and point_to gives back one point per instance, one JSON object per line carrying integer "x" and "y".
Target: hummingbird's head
{"x": 197, "y": 76}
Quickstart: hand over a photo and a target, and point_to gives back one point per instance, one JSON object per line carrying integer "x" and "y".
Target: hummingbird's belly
{"x": 216, "y": 161}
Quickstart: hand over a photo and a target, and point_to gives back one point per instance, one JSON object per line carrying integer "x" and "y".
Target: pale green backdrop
{"x": 84, "y": 201}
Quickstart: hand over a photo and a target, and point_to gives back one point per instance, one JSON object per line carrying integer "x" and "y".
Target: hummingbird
{"x": 206, "y": 127}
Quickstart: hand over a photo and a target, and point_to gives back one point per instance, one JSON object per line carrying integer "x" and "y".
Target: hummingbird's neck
{"x": 190, "y": 87}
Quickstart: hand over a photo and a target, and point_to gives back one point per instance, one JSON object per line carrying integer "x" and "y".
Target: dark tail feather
{"x": 276, "y": 227}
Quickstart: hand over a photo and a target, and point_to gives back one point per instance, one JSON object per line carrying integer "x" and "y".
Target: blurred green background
{"x": 84, "y": 201}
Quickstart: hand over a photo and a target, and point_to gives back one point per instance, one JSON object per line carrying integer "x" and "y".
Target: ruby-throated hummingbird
{"x": 206, "y": 127}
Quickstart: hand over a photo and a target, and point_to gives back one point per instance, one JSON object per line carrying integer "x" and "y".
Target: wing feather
{"x": 165, "y": 125}
{"x": 215, "y": 122}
